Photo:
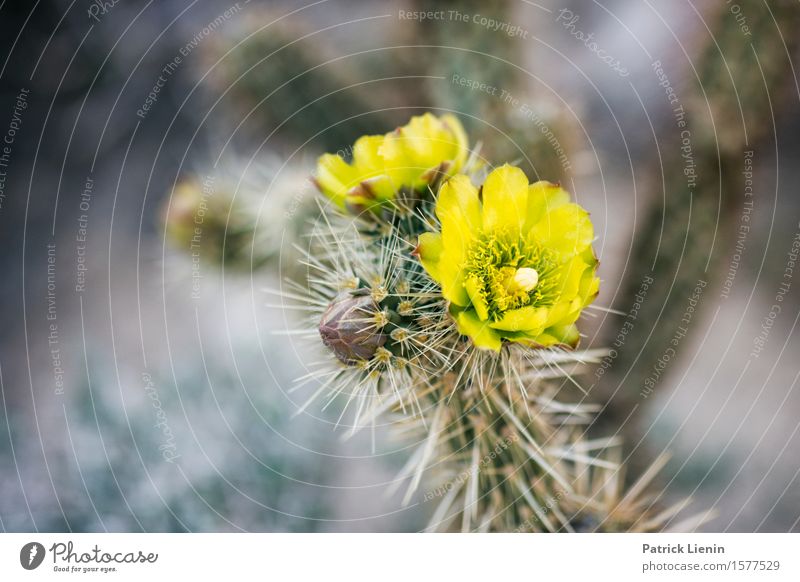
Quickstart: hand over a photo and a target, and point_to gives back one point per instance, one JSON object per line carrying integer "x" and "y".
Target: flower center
{"x": 511, "y": 272}
{"x": 524, "y": 279}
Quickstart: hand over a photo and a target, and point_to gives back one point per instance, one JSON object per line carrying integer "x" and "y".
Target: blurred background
{"x": 146, "y": 372}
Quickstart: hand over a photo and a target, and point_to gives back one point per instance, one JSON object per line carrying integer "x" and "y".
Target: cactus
{"x": 502, "y": 430}
{"x": 503, "y": 452}
{"x": 239, "y": 215}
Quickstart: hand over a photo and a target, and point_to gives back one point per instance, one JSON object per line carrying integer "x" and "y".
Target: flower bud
{"x": 348, "y": 328}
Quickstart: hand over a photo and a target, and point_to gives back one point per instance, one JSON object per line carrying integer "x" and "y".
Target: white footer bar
{"x": 401, "y": 557}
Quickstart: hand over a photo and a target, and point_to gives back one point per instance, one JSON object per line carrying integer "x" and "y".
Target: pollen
{"x": 512, "y": 272}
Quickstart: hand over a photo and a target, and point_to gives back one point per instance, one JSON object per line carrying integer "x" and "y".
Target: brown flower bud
{"x": 348, "y": 328}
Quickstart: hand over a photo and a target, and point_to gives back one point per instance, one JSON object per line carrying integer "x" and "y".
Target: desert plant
{"x": 451, "y": 311}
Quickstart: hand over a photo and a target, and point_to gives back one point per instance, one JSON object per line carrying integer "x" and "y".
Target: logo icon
{"x": 31, "y": 555}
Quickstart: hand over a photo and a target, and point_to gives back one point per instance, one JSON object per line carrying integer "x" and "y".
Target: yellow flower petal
{"x": 335, "y": 177}
{"x": 367, "y": 160}
{"x": 505, "y": 200}
{"x": 481, "y": 334}
{"x": 566, "y": 335}
{"x": 590, "y": 284}
{"x": 566, "y": 230}
{"x": 522, "y": 319}
{"x": 422, "y": 144}
{"x": 565, "y": 313}
{"x": 591, "y": 289}
{"x": 417, "y": 135}
{"x": 461, "y": 142}
{"x": 381, "y": 187}
{"x": 452, "y": 281}
{"x": 570, "y": 275}
{"x": 490, "y": 260}
{"x": 459, "y": 211}
{"x": 446, "y": 272}
{"x": 544, "y": 196}
{"x": 473, "y": 287}
{"x": 429, "y": 250}
{"x": 410, "y": 157}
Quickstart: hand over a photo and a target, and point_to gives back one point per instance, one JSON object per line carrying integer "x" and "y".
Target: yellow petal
{"x": 424, "y": 145}
{"x": 544, "y": 196}
{"x": 570, "y": 275}
{"x": 422, "y": 137}
{"x": 566, "y": 335}
{"x": 385, "y": 176}
{"x": 590, "y": 284}
{"x": 590, "y": 287}
{"x": 566, "y": 230}
{"x": 381, "y": 187}
{"x": 367, "y": 160}
{"x": 461, "y": 142}
{"x": 415, "y": 147}
{"x": 429, "y": 250}
{"x": 334, "y": 177}
{"x": 565, "y": 313}
{"x": 459, "y": 211}
{"x": 505, "y": 200}
{"x": 481, "y": 334}
{"x": 473, "y": 287}
{"x": 412, "y": 156}
{"x": 522, "y": 319}
{"x": 561, "y": 311}
{"x": 452, "y": 281}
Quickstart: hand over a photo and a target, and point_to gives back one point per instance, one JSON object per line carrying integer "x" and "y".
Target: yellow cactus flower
{"x": 410, "y": 157}
{"x": 515, "y": 261}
